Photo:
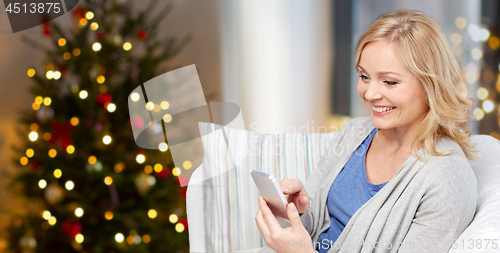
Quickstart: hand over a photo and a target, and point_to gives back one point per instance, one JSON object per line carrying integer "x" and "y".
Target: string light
{"x": 150, "y": 106}
{"x": 148, "y": 169}
{"x": 478, "y": 114}
{"x": 79, "y": 238}
{"x": 34, "y": 126}
{"x": 474, "y": 32}
{"x": 83, "y": 21}
{"x": 46, "y": 215}
{"x": 176, "y": 171}
{"x": 460, "y": 22}
{"x": 92, "y": 160}
{"x": 106, "y": 139}
{"x": 108, "y": 180}
{"x": 57, "y": 173}
{"x": 96, "y": 46}
{"x": 74, "y": 121}
{"x": 163, "y": 146}
{"x": 24, "y": 160}
{"x": 52, "y": 220}
{"x": 167, "y": 118}
{"x": 111, "y": 107}
{"x": 158, "y": 167}
{"x": 67, "y": 55}
{"x": 494, "y": 43}
{"x": 119, "y": 167}
{"x": 151, "y": 180}
{"x": 140, "y": 158}
{"x": 100, "y": 79}
{"x": 94, "y": 26}
{"x": 36, "y": 106}
{"x": 484, "y": 34}
{"x": 173, "y": 218}
{"x": 76, "y": 52}
{"x": 30, "y": 152}
{"x": 146, "y": 238}
{"x": 108, "y": 215}
{"x": 135, "y": 96}
{"x": 52, "y": 153}
{"x": 74, "y": 88}
{"x": 83, "y": 94}
{"x": 42, "y": 184}
{"x": 127, "y": 46}
{"x": 47, "y": 136}
{"x": 61, "y": 42}
{"x": 477, "y": 53}
{"x": 70, "y": 149}
{"x": 119, "y": 237}
{"x": 33, "y": 136}
{"x": 187, "y": 165}
{"x": 39, "y": 100}
{"x": 456, "y": 38}
{"x": 179, "y": 227}
{"x": 89, "y": 15}
{"x": 69, "y": 185}
{"x": 31, "y": 72}
{"x": 482, "y": 93}
{"x": 488, "y": 106}
{"x": 47, "y": 101}
{"x": 130, "y": 239}
{"x": 152, "y": 213}
{"x": 164, "y": 105}
{"x": 79, "y": 212}
{"x": 137, "y": 239}
{"x": 49, "y": 74}
{"x": 57, "y": 75}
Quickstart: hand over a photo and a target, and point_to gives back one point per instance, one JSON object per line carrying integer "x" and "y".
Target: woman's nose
{"x": 373, "y": 91}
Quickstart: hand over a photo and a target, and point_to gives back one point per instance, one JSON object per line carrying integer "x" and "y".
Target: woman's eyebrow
{"x": 382, "y": 72}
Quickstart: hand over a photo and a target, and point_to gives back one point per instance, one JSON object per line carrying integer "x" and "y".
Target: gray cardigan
{"x": 423, "y": 208}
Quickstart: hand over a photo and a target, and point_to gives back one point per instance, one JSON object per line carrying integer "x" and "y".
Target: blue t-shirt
{"x": 350, "y": 190}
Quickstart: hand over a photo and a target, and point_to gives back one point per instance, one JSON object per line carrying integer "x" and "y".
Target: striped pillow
{"x": 229, "y": 194}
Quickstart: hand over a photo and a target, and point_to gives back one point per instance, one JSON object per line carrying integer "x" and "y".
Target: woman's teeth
{"x": 382, "y": 109}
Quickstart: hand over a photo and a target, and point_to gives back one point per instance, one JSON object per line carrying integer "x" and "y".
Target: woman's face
{"x": 391, "y": 92}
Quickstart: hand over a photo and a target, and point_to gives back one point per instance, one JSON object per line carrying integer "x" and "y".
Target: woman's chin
{"x": 380, "y": 124}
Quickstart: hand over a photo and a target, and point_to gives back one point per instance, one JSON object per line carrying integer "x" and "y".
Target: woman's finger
{"x": 300, "y": 200}
{"x": 294, "y": 217}
{"x": 261, "y": 225}
{"x": 292, "y": 186}
{"x": 269, "y": 218}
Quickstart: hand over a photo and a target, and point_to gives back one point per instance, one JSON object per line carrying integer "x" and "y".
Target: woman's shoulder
{"x": 450, "y": 169}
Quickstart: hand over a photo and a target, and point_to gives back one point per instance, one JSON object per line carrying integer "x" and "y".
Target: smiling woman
{"x": 402, "y": 181}
{"x": 412, "y": 44}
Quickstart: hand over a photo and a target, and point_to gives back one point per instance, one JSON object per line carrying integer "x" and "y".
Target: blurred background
{"x": 72, "y": 178}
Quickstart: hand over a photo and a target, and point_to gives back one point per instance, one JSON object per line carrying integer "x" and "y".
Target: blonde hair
{"x": 423, "y": 48}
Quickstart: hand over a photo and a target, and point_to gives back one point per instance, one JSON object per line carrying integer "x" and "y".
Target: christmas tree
{"x": 90, "y": 188}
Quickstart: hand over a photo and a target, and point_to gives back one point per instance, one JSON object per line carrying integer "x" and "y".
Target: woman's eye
{"x": 390, "y": 82}
{"x": 363, "y": 77}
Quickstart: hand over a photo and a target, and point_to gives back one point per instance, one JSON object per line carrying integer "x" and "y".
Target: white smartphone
{"x": 271, "y": 191}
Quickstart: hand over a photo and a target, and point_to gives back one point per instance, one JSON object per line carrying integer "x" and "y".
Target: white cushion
{"x": 229, "y": 196}
{"x": 485, "y": 227}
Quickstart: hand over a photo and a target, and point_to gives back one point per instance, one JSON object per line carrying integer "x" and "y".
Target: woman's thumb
{"x": 294, "y": 216}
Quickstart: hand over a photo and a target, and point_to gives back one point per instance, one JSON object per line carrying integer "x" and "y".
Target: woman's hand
{"x": 295, "y": 192}
{"x": 294, "y": 239}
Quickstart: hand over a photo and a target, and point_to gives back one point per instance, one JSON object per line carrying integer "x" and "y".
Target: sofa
{"x": 222, "y": 200}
